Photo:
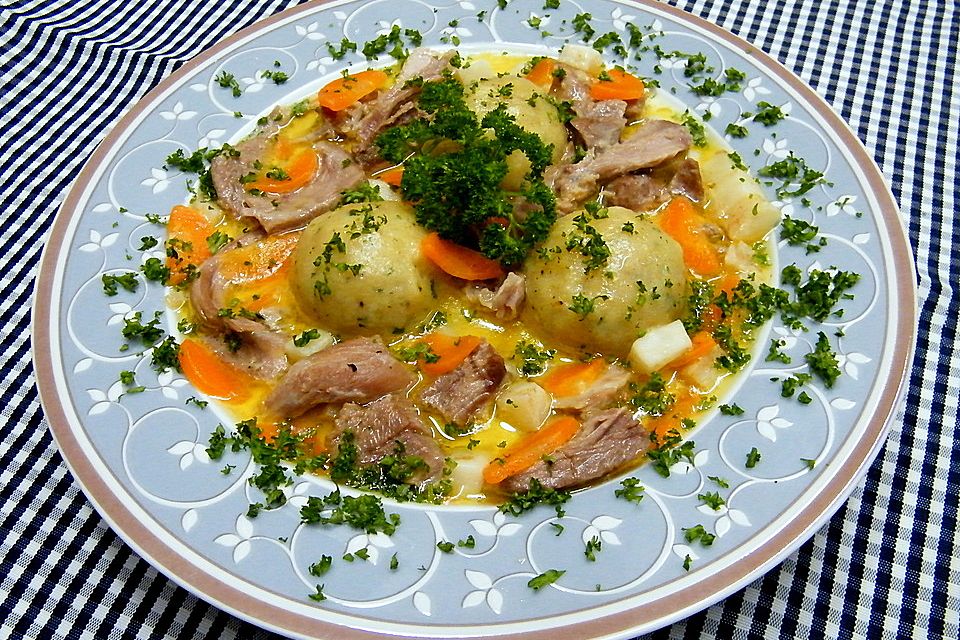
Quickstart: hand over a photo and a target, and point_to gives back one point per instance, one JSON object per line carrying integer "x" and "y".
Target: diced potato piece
{"x": 386, "y": 191}
{"x": 703, "y": 373}
{"x": 740, "y": 257}
{"x": 316, "y": 345}
{"x": 580, "y": 57}
{"x": 467, "y": 476}
{"x": 524, "y": 405}
{"x": 658, "y": 346}
{"x": 737, "y": 201}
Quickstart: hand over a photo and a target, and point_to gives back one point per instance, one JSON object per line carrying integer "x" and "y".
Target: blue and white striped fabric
{"x": 886, "y": 566}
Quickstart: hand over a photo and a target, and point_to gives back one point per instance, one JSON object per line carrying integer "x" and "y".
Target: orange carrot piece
{"x": 189, "y": 230}
{"x": 457, "y": 260}
{"x": 703, "y": 343}
{"x": 297, "y": 171}
{"x": 392, "y": 176}
{"x": 211, "y": 375}
{"x": 451, "y": 351}
{"x": 570, "y": 379}
{"x": 527, "y": 452}
{"x": 345, "y": 91}
{"x": 671, "y": 421}
{"x": 259, "y": 260}
{"x": 542, "y": 72}
{"x": 681, "y": 222}
{"x": 620, "y": 86}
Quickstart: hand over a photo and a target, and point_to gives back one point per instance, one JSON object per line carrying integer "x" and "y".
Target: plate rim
{"x": 636, "y": 619}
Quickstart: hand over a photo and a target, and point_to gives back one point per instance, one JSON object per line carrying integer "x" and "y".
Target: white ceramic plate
{"x": 140, "y": 458}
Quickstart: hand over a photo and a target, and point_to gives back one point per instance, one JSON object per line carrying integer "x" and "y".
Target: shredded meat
{"x": 652, "y": 144}
{"x": 606, "y": 441}
{"x": 462, "y": 393}
{"x": 393, "y": 103}
{"x": 505, "y": 301}
{"x": 257, "y": 349}
{"x": 599, "y": 123}
{"x": 357, "y": 370}
{"x": 336, "y": 172}
{"x": 378, "y": 427}
{"x": 686, "y": 180}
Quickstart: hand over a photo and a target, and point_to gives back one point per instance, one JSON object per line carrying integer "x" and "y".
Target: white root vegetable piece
{"x": 524, "y": 405}
{"x": 740, "y": 258}
{"x": 580, "y": 57}
{"x": 386, "y": 191}
{"x": 468, "y": 474}
{"x": 703, "y": 372}
{"x": 658, "y": 346}
{"x": 477, "y": 70}
{"x": 739, "y": 203}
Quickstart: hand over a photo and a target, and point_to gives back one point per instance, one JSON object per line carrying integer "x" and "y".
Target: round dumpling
{"x": 358, "y": 269}
{"x": 597, "y": 283}
{"x": 532, "y": 112}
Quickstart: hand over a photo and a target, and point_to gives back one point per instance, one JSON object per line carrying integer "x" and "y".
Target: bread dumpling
{"x": 600, "y": 280}
{"x": 358, "y": 269}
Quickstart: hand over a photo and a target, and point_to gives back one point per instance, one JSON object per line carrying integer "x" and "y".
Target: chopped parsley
{"x": 697, "y": 131}
{"x": 712, "y": 499}
{"x": 533, "y": 357}
{"x": 736, "y": 130}
{"x": 546, "y": 578}
{"x": 698, "y": 533}
{"x": 536, "y": 494}
{"x": 593, "y": 545}
{"x": 631, "y": 491}
{"x": 444, "y": 546}
{"x": 228, "y": 81}
{"x": 321, "y": 567}
{"x": 768, "y": 114}
{"x": 731, "y": 410}
{"x": 128, "y": 281}
{"x": 753, "y": 457}
{"x": 796, "y": 177}
{"x": 823, "y": 361}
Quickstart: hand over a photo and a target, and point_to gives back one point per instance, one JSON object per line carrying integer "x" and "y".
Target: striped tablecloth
{"x": 886, "y": 566}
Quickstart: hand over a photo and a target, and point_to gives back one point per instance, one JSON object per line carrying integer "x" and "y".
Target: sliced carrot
{"x": 620, "y": 86}
{"x": 450, "y": 351}
{"x": 211, "y": 375}
{"x": 542, "y": 72}
{"x": 259, "y": 260}
{"x": 348, "y": 90}
{"x": 188, "y": 230}
{"x": 727, "y": 283}
{"x": 681, "y": 222}
{"x": 570, "y": 379}
{"x": 703, "y": 343}
{"x": 527, "y": 452}
{"x": 392, "y": 176}
{"x": 294, "y": 169}
{"x": 457, "y": 260}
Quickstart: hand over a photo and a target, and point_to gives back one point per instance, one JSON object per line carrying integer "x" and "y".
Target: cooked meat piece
{"x": 604, "y": 389}
{"x": 640, "y": 192}
{"x": 687, "y": 181}
{"x": 378, "y": 427}
{"x": 395, "y": 101}
{"x": 336, "y": 172}
{"x": 600, "y": 123}
{"x": 255, "y": 348}
{"x": 505, "y": 301}
{"x": 652, "y": 144}
{"x": 606, "y": 441}
{"x": 462, "y": 393}
{"x": 357, "y": 370}
{"x": 635, "y": 110}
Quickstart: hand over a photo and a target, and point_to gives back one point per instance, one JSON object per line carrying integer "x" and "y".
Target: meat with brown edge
{"x": 357, "y": 370}
{"x": 605, "y": 442}
{"x": 505, "y": 300}
{"x": 462, "y": 393}
{"x": 336, "y": 172}
{"x": 373, "y": 117}
{"x": 254, "y": 347}
{"x": 654, "y": 143}
{"x": 687, "y": 180}
{"x": 645, "y": 192}
{"x": 599, "y": 123}
{"x": 377, "y": 428}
